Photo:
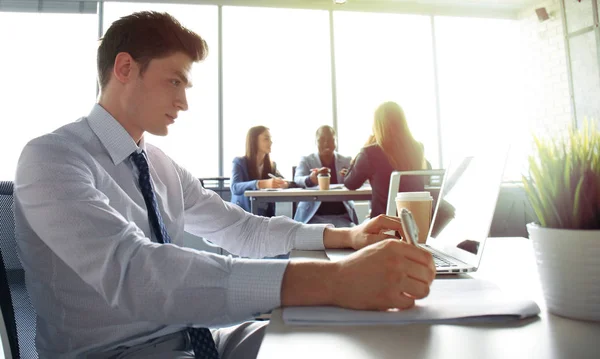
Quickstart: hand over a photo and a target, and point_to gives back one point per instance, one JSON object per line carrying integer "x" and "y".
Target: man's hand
{"x": 384, "y": 275}
{"x": 387, "y": 274}
{"x": 314, "y": 172}
{"x": 373, "y": 231}
{"x": 362, "y": 235}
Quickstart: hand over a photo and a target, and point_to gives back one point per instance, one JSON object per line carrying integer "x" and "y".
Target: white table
{"x": 509, "y": 262}
{"x": 301, "y": 194}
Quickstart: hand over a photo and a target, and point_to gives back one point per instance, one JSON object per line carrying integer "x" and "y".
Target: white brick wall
{"x": 546, "y": 99}
{"x": 545, "y": 106}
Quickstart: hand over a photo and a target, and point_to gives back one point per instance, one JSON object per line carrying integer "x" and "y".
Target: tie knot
{"x": 139, "y": 159}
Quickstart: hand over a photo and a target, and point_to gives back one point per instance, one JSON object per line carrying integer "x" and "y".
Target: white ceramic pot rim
{"x": 536, "y": 227}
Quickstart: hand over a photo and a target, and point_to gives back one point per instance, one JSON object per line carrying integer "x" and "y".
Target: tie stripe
{"x": 201, "y": 339}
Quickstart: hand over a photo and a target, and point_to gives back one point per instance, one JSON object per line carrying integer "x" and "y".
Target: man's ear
{"x": 125, "y": 67}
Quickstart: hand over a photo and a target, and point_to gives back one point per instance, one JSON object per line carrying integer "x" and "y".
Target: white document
{"x": 335, "y": 255}
{"x": 331, "y": 186}
{"x": 460, "y": 300}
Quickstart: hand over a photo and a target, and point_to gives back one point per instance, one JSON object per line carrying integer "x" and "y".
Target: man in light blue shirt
{"x": 109, "y": 279}
{"x": 340, "y": 214}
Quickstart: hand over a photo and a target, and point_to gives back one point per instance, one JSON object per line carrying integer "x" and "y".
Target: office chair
{"x": 294, "y": 204}
{"x": 17, "y": 312}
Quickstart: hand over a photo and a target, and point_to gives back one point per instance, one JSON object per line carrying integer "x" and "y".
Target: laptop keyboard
{"x": 441, "y": 262}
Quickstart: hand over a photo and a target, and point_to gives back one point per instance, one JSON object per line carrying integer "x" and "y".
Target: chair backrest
{"x": 220, "y": 185}
{"x": 294, "y": 204}
{"x": 18, "y": 313}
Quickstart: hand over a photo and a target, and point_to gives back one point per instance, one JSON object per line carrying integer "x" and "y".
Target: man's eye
{"x": 176, "y": 82}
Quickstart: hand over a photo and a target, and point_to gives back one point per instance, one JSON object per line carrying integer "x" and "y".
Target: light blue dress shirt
{"x": 95, "y": 273}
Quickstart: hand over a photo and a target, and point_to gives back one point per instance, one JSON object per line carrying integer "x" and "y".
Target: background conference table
{"x": 510, "y": 263}
{"x": 309, "y": 194}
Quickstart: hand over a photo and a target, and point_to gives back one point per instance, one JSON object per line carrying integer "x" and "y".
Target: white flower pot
{"x": 568, "y": 263}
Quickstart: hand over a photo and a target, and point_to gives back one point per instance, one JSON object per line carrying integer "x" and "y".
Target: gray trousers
{"x": 236, "y": 342}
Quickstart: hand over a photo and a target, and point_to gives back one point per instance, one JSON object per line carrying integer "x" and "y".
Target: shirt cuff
{"x": 255, "y": 286}
{"x": 310, "y": 237}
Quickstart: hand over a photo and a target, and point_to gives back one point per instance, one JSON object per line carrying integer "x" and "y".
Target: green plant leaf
{"x": 577, "y": 206}
{"x": 563, "y": 184}
{"x": 534, "y": 199}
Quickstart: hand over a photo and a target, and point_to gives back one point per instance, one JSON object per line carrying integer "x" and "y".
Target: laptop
{"x": 463, "y": 212}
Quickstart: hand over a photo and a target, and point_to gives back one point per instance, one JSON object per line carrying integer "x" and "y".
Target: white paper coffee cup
{"x": 324, "y": 181}
{"x": 420, "y": 204}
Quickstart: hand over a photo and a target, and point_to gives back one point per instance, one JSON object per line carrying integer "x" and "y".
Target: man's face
{"x": 155, "y": 98}
{"x": 326, "y": 142}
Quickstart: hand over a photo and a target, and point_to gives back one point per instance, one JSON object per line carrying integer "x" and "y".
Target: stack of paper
{"x": 450, "y": 301}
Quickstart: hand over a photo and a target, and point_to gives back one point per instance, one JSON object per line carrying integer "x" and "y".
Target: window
{"x": 579, "y": 15}
{"x": 384, "y": 57}
{"x": 276, "y": 73}
{"x": 479, "y": 84}
{"x": 48, "y": 77}
{"x": 193, "y": 139}
{"x": 585, "y": 74}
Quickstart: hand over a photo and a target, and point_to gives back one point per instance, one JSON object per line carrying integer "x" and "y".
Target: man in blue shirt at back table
{"x": 100, "y": 217}
{"x": 340, "y": 214}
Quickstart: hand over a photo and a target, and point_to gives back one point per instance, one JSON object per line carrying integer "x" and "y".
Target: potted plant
{"x": 563, "y": 187}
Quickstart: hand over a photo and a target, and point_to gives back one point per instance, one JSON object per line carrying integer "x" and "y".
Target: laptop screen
{"x": 465, "y": 206}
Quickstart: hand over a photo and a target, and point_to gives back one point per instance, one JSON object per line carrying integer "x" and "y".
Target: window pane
{"x": 47, "y": 78}
{"x": 193, "y": 139}
{"x": 479, "y": 86}
{"x": 585, "y": 75}
{"x": 276, "y": 73}
{"x": 388, "y": 57}
{"x": 579, "y": 14}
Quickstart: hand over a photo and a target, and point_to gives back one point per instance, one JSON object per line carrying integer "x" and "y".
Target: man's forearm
{"x": 337, "y": 238}
{"x": 308, "y": 283}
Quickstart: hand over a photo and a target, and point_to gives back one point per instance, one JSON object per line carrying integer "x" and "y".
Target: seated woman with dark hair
{"x": 251, "y": 171}
{"x": 391, "y": 148}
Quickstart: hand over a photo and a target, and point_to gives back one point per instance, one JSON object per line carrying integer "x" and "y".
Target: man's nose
{"x": 181, "y": 102}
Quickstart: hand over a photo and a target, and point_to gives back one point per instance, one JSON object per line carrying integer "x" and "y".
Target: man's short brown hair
{"x": 147, "y": 35}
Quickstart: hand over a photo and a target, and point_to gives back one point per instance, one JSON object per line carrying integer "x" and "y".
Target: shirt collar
{"x": 335, "y": 155}
{"x": 115, "y": 139}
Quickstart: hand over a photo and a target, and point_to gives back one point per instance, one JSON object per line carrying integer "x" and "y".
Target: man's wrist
{"x": 308, "y": 182}
{"x": 337, "y": 238}
{"x": 308, "y": 283}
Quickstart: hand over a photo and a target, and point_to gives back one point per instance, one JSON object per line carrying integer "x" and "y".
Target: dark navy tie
{"x": 200, "y": 338}
{"x": 156, "y": 221}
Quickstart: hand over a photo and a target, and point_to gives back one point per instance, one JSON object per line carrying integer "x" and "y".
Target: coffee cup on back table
{"x": 420, "y": 204}
{"x": 324, "y": 180}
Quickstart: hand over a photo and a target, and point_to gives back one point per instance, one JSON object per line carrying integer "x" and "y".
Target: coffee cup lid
{"x": 414, "y": 196}
{"x": 323, "y": 175}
